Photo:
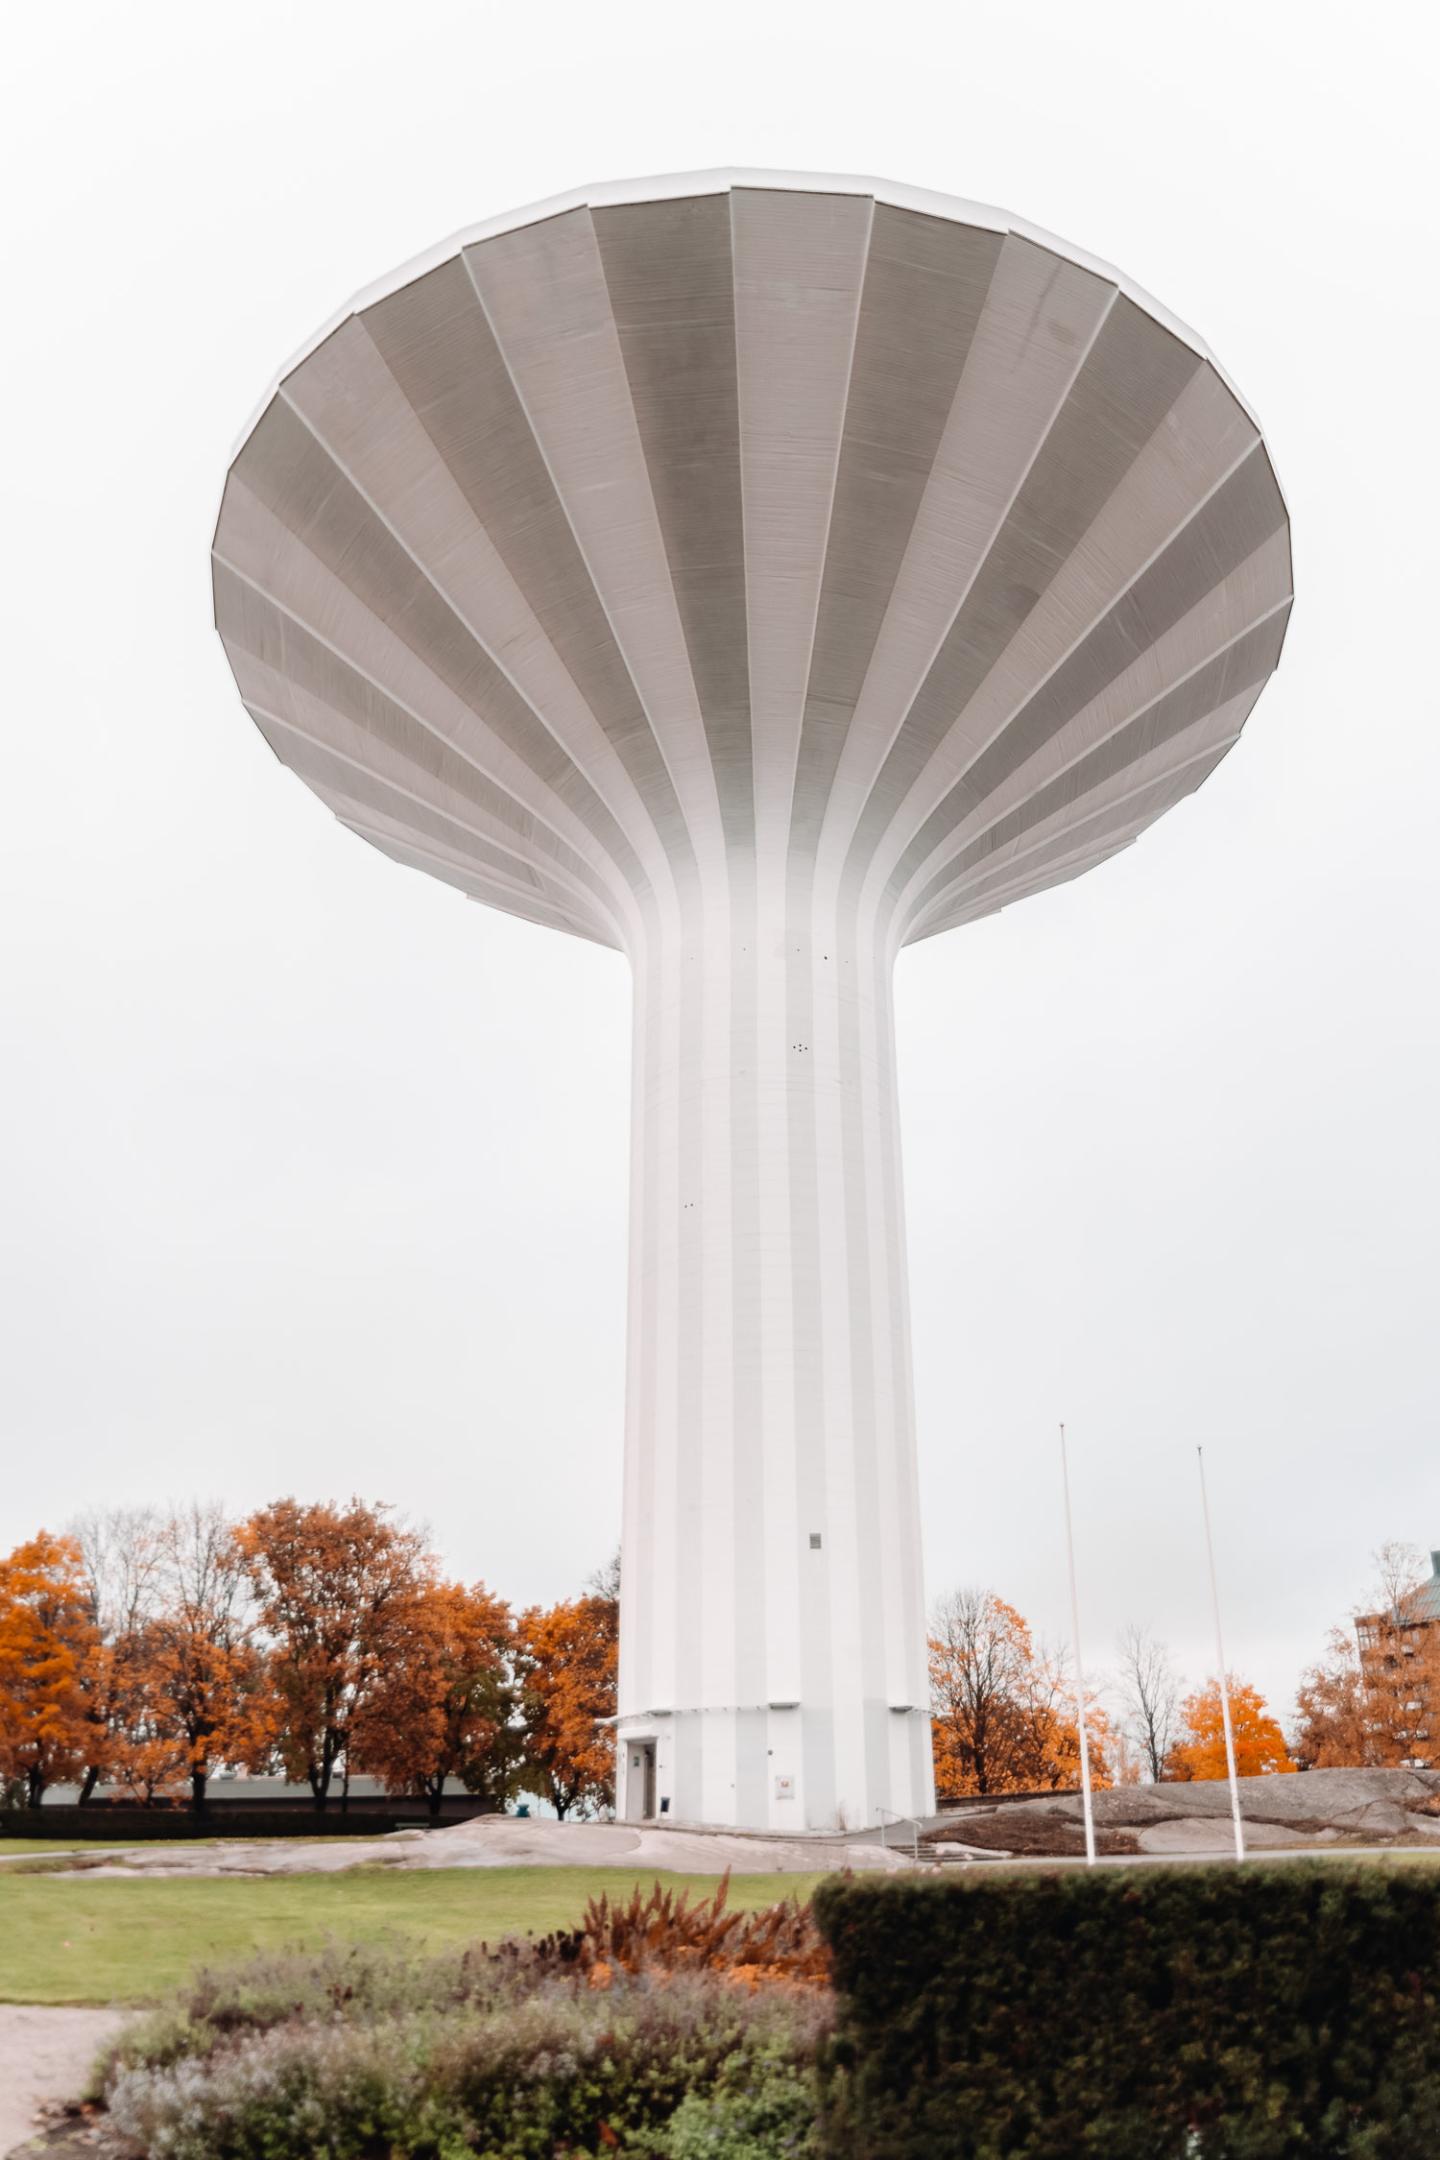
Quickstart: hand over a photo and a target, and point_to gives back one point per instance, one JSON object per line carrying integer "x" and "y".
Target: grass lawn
{"x": 68, "y": 1939}
{"x": 16, "y": 1845}
{"x": 65, "y": 1850}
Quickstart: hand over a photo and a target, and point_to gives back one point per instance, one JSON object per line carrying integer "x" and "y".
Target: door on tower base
{"x": 640, "y": 1780}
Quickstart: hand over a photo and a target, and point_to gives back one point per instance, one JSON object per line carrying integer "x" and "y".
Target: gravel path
{"x": 45, "y": 2055}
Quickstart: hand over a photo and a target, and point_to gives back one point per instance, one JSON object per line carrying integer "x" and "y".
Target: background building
{"x": 1400, "y": 1658}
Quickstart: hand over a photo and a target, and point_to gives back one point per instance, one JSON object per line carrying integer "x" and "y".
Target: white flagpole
{"x": 1079, "y": 1668}
{"x": 1224, "y": 1677}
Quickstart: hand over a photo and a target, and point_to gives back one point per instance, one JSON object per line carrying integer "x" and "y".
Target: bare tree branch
{"x": 1150, "y": 1690}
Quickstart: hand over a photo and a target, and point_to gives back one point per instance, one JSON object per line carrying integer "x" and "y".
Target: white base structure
{"x": 755, "y": 573}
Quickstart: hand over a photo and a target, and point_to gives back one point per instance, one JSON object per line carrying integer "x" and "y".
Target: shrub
{"x": 514, "y": 2054}
{"x": 341, "y": 1984}
{"x": 772, "y": 2113}
{"x": 661, "y": 1929}
{"x": 1147, "y": 2014}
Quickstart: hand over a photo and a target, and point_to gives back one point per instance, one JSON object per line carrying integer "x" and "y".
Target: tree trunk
{"x": 332, "y": 1746}
{"x": 34, "y": 1786}
{"x": 88, "y": 1783}
{"x": 198, "y": 1780}
{"x": 435, "y": 1789}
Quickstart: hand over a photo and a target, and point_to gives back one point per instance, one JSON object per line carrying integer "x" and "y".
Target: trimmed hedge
{"x": 1141, "y": 2013}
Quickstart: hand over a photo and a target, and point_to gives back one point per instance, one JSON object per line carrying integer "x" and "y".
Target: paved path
{"x": 45, "y": 2055}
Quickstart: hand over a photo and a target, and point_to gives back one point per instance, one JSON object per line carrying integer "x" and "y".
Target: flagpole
{"x": 1079, "y": 1669}
{"x": 1224, "y": 1676}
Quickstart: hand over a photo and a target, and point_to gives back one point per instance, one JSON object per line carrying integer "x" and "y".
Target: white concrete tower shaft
{"x": 756, "y": 573}
{"x": 773, "y": 1645}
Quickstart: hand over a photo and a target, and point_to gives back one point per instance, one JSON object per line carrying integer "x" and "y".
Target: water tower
{"x": 757, "y": 573}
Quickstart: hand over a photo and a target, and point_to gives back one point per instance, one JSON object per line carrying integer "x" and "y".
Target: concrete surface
{"x": 45, "y": 2057}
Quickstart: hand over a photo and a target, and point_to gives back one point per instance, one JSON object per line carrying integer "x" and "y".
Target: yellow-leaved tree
{"x": 46, "y": 1636}
{"x": 1200, "y": 1752}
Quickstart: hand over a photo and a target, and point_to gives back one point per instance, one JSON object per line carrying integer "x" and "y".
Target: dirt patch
{"x": 1033, "y": 1835}
{"x": 64, "y": 1863}
{"x": 74, "y": 2132}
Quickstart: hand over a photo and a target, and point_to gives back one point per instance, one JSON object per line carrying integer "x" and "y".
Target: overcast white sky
{"x": 314, "y": 1175}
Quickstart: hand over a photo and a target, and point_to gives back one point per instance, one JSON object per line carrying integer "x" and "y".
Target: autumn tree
{"x": 979, "y": 1663}
{"x": 120, "y": 1555}
{"x": 567, "y": 1665}
{"x": 443, "y": 1707}
{"x": 1002, "y": 1709}
{"x": 1051, "y": 1752}
{"x": 1338, "y": 1723}
{"x": 335, "y": 1586}
{"x": 1373, "y": 1700}
{"x": 1124, "y": 1758}
{"x": 1199, "y": 1753}
{"x": 46, "y": 1636}
{"x": 605, "y": 1584}
{"x": 1150, "y": 1694}
{"x": 1399, "y": 1573}
{"x": 145, "y": 1758}
{"x": 208, "y": 1691}
{"x": 1400, "y": 1658}
{"x": 175, "y": 1683}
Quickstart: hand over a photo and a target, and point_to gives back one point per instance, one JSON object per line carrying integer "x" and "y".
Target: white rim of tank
{"x": 719, "y": 180}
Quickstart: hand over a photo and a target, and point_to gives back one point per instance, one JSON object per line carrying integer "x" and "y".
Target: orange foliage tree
{"x": 1339, "y": 1724}
{"x": 335, "y": 1586}
{"x": 120, "y": 1556}
{"x": 46, "y": 1636}
{"x": 1002, "y": 1708}
{"x": 567, "y": 1665}
{"x": 175, "y": 1684}
{"x": 1200, "y": 1753}
{"x": 207, "y": 1688}
{"x": 144, "y": 1756}
{"x": 1374, "y": 1700}
{"x": 443, "y": 1706}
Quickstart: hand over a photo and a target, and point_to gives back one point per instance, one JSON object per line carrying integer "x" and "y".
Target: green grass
{"x": 18, "y": 1845}
{"x": 68, "y": 1939}
{"x": 15, "y": 1846}
{"x": 63, "y": 1850}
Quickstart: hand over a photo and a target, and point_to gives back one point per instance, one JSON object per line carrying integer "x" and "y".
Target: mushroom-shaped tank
{"x": 756, "y": 574}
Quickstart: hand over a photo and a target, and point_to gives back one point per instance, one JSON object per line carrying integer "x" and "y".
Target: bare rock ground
{"x": 45, "y": 2057}
{"x": 1317, "y": 1809}
{"x": 506, "y": 1841}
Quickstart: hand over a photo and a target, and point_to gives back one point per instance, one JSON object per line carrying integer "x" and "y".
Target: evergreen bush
{"x": 1186, "y": 2013}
